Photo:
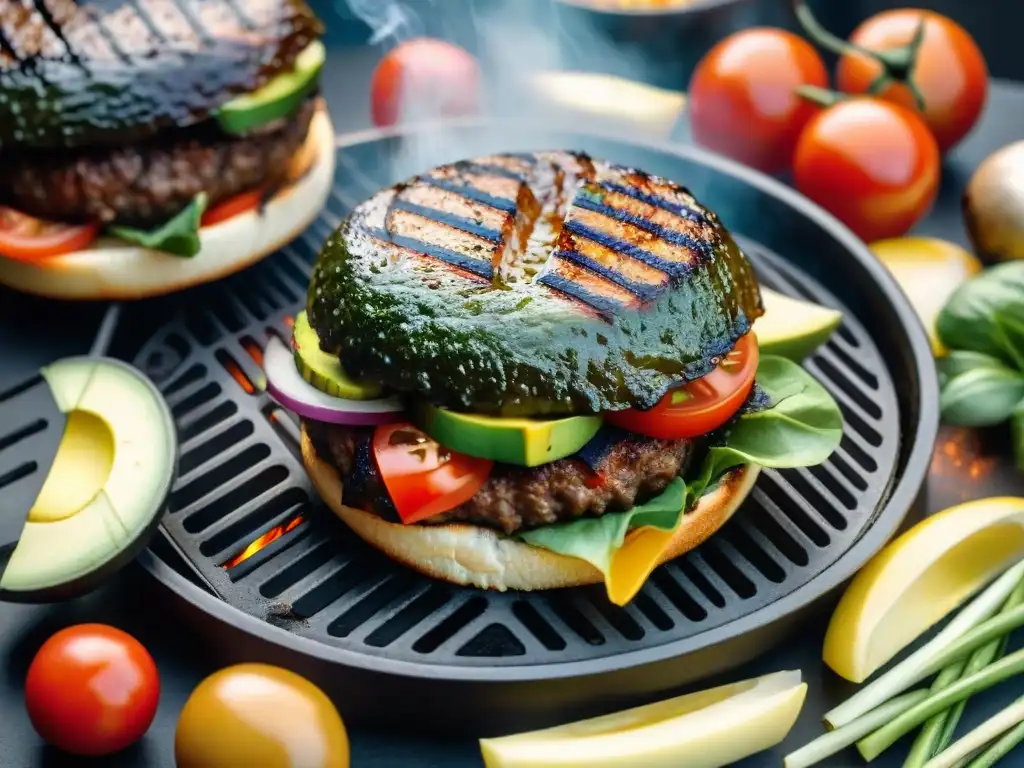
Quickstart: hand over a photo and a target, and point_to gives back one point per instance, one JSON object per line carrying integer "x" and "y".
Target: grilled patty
{"x": 146, "y": 184}
{"x": 634, "y": 470}
{"x": 547, "y": 282}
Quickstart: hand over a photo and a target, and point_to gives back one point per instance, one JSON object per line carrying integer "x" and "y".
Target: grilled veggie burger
{"x": 537, "y": 370}
{"x": 151, "y": 145}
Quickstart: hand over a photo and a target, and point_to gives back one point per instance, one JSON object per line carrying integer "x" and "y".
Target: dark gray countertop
{"x": 125, "y": 603}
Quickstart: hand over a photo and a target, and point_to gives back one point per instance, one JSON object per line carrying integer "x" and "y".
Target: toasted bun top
{"x": 113, "y": 269}
{"x": 602, "y": 269}
{"x": 170, "y": 63}
{"x": 471, "y": 555}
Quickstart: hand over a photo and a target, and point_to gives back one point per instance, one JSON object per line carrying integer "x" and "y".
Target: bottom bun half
{"x": 471, "y": 555}
{"x": 111, "y": 269}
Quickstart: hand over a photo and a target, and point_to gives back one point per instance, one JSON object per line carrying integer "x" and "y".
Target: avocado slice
{"x": 525, "y": 442}
{"x": 278, "y": 98}
{"x": 322, "y": 370}
{"x": 107, "y": 487}
{"x": 793, "y": 328}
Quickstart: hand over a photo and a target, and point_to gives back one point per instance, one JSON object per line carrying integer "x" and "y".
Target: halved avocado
{"x": 278, "y": 98}
{"x": 322, "y": 370}
{"x": 107, "y": 487}
{"x": 793, "y": 328}
{"x": 525, "y": 442}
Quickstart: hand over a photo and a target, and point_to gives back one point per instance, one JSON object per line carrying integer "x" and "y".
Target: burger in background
{"x": 215, "y": 152}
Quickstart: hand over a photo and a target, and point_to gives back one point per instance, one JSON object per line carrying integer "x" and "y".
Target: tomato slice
{"x": 424, "y": 478}
{"x": 700, "y": 406}
{"x": 26, "y": 238}
{"x": 232, "y": 207}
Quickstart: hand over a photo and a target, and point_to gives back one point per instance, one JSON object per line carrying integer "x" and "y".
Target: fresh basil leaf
{"x": 800, "y": 427}
{"x": 595, "y": 539}
{"x": 959, "y": 361}
{"x": 968, "y": 319}
{"x": 178, "y": 237}
{"x": 1010, "y": 335}
{"x": 1017, "y": 433}
{"x": 981, "y": 397}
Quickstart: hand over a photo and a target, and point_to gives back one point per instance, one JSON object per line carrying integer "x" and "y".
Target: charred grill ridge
{"x": 623, "y": 248}
{"x": 472, "y": 193}
{"x": 668, "y": 235}
{"x": 657, "y": 201}
{"x": 448, "y": 219}
{"x": 607, "y": 308}
{"x": 446, "y": 255}
{"x": 643, "y": 292}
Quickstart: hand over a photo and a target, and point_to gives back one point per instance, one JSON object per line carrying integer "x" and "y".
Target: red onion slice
{"x": 287, "y": 387}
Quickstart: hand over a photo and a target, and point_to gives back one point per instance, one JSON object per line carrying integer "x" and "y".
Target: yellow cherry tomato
{"x": 258, "y": 715}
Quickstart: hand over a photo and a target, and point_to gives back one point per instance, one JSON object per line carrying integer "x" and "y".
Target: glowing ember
{"x": 263, "y": 541}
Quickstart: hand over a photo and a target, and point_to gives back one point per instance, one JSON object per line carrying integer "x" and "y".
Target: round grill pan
{"x": 392, "y": 646}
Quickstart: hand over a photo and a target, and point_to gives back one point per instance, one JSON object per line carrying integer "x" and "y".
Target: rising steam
{"x": 514, "y": 41}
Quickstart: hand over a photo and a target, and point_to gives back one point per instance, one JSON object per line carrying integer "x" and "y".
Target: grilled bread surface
{"x": 81, "y": 72}
{"x": 536, "y": 283}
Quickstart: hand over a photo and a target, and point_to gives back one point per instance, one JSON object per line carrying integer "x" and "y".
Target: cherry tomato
{"x": 232, "y": 207}
{"x": 424, "y": 79}
{"x": 871, "y": 163}
{"x": 92, "y": 690}
{"x": 260, "y": 716}
{"x": 29, "y": 239}
{"x": 424, "y": 478}
{"x": 742, "y": 101}
{"x": 702, "y": 405}
{"x": 950, "y": 71}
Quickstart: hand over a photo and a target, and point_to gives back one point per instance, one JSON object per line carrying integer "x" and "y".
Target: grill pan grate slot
{"x": 242, "y": 478}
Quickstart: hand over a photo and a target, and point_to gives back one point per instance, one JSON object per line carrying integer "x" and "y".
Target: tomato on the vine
{"x": 702, "y": 405}
{"x": 232, "y": 207}
{"x": 424, "y": 78}
{"x": 873, "y": 164}
{"x": 422, "y": 477}
{"x": 949, "y": 71}
{"x": 92, "y": 690}
{"x": 26, "y": 238}
{"x": 742, "y": 98}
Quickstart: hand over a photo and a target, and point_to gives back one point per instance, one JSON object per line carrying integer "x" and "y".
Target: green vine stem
{"x": 823, "y": 97}
{"x": 897, "y": 63}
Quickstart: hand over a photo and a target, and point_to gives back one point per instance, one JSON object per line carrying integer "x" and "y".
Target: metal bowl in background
{"x": 661, "y": 46}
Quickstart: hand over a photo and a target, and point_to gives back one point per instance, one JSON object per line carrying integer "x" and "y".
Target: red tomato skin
{"x": 873, "y": 164}
{"x": 715, "y": 398}
{"x": 420, "y": 484}
{"x": 742, "y": 101}
{"x": 445, "y": 77}
{"x": 232, "y": 207}
{"x": 92, "y": 690}
{"x": 25, "y": 238}
{"x": 951, "y": 71}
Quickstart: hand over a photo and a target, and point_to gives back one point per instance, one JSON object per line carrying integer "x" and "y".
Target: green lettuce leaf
{"x": 801, "y": 427}
{"x": 178, "y": 237}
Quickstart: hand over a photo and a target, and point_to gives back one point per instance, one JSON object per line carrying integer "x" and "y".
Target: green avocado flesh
{"x": 322, "y": 370}
{"x": 108, "y": 483}
{"x": 524, "y": 442}
{"x": 413, "y": 289}
{"x": 792, "y": 328}
{"x": 278, "y": 98}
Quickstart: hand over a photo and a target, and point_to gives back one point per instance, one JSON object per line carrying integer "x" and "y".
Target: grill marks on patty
{"x": 515, "y": 498}
{"x": 147, "y": 184}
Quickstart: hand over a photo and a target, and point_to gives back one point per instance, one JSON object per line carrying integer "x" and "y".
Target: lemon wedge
{"x": 706, "y": 729}
{"x": 928, "y": 270}
{"x": 918, "y": 579}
